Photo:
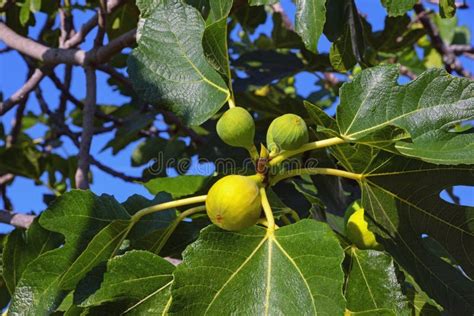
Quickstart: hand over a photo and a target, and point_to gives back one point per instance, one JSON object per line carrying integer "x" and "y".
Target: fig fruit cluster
{"x": 287, "y": 132}
{"x": 233, "y": 202}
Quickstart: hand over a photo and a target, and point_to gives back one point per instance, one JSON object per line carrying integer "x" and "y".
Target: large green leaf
{"x": 398, "y": 7}
{"x": 89, "y": 224}
{"x": 168, "y": 68}
{"x": 402, "y": 199}
{"x": 372, "y": 286}
{"x": 140, "y": 278}
{"x": 400, "y": 192}
{"x": 22, "y": 247}
{"x": 373, "y": 104}
{"x": 309, "y": 21}
{"x": 294, "y": 271}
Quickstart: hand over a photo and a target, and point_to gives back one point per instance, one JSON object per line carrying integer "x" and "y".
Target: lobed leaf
{"x": 373, "y": 104}
{"x": 295, "y": 271}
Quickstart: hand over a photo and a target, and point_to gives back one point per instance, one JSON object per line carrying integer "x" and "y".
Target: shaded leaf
{"x": 402, "y": 203}
{"x": 341, "y": 54}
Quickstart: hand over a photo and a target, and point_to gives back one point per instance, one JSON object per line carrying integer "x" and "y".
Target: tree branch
{"x": 451, "y": 62}
{"x": 82, "y": 172}
{"x": 23, "y": 92}
{"x": 101, "y": 20}
{"x": 56, "y": 56}
{"x": 16, "y": 219}
{"x": 79, "y": 37}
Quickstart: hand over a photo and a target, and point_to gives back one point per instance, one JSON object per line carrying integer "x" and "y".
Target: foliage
{"x": 401, "y": 135}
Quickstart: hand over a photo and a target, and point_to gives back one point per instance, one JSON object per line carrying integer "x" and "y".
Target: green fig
{"x": 237, "y": 128}
{"x": 287, "y": 132}
{"x": 233, "y": 202}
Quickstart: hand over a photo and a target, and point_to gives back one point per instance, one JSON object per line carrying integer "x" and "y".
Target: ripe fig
{"x": 287, "y": 132}
{"x": 357, "y": 230}
{"x": 233, "y": 202}
{"x": 237, "y": 128}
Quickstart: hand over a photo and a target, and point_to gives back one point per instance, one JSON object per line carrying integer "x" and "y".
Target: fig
{"x": 237, "y": 128}
{"x": 233, "y": 202}
{"x": 287, "y": 132}
{"x": 358, "y": 232}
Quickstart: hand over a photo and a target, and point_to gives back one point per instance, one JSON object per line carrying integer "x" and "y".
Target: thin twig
{"x": 23, "y": 92}
{"x": 451, "y": 62}
{"x": 101, "y": 20}
{"x": 65, "y": 130}
{"x": 79, "y": 37}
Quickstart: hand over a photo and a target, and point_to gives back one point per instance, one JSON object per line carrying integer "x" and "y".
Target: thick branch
{"x": 55, "y": 56}
{"x": 16, "y": 219}
{"x": 82, "y": 173}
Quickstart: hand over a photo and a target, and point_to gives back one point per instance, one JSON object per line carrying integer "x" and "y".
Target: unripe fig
{"x": 233, "y": 202}
{"x": 287, "y": 132}
{"x": 237, "y": 128}
{"x": 358, "y": 232}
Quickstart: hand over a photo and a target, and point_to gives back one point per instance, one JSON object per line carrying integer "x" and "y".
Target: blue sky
{"x": 28, "y": 197}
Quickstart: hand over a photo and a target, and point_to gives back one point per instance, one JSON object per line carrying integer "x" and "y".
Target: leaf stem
{"x": 268, "y": 211}
{"x": 167, "y": 205}
{"x": 309, "y": 146}
{"x": 314, "y": 171}
{"x": 170, "y": 230}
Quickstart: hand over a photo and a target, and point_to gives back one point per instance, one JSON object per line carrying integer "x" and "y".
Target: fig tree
{"x": 233, "y": 202}
{"x": 287, "y": 132}
{"x": 358, "y": 232}
{"x": 237, "y": 128}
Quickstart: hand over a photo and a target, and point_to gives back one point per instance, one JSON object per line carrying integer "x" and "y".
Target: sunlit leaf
{"x": 140, "y": 278}
{"x": 168, "y": 68}
{"x": 427, "y": 108}
{"x": 296, "y": 270}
